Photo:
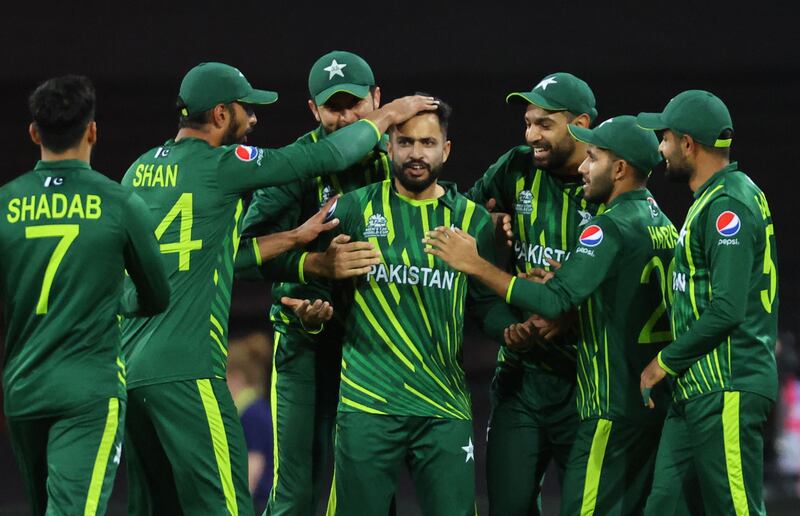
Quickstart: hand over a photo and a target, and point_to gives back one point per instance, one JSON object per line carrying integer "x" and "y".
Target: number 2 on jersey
{"x": 647, "y": 335}
{"x": 185, "y": 245}
{"x": 67, "y": 233}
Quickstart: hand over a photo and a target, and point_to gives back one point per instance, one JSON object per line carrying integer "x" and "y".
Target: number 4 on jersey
{"x": 185, "y": 245}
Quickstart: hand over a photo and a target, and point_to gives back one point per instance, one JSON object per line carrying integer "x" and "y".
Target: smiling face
{"x": 597, "y": 171}
{"x": 343, "y": 109}
{"x": 418, "y": 149}
{"x": 546, "y": 133}
{"x": 678, "y": 169}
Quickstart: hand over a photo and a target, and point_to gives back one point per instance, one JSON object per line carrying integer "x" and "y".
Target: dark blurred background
{"x": 635, "y": 56}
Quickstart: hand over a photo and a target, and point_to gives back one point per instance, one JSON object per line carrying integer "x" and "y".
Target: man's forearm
{"x": 270, "y": 246}
{"x": 495, "y": 279}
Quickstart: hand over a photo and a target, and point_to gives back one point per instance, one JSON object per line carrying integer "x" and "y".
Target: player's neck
{"x": 434, "y": 191}
{"x": 82, "y": 153}
{"x": 705, "y": 167}
{"x": 210, "y": 137}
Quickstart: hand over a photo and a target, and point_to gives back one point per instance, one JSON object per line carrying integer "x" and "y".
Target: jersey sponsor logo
{"x": 653, "y": 205}
{"x": 246, "y": 152}
{"x": 54, "y": 181}
{"x": 538, "y": 254}
{"x": 524, "y": 203}
{"x": 591, "y": 236}
{"x": 728, "y": 224}
{"x": 728, "y": 241}
{"x": 412, "y": 275}
{"x": 678, "y": 281}
{"x": 376, "y": 226}
{"x": 586, "y": 217}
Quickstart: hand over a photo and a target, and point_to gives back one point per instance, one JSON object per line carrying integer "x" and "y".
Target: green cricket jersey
{"x": 404, "y": 320}
{"x": 618, "y": 274}
{"x": 67, "y": 234}
{"x": 195, "y": 192}
{"x": 725, "y": 289}
{"x": 548, "y": 215}
{"x": 281, "y": 208}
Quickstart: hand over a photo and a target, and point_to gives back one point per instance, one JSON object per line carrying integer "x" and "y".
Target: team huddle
{"x": 637, "y": 357}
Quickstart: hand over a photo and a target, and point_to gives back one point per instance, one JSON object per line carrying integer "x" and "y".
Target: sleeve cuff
{"x": 257, "y": 251}
{"x": 664, "y": 366}
{"x": 313, "y": 332}
{"x": 510, "y": 288}
{"x": 377, "y": 131}
{"x": 302, "y": 263}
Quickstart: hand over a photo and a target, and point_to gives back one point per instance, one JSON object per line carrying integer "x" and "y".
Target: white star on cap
{"x": 546, "y": 82}
{"x": 470, "y": 451}
{"x": 335, "y": 69}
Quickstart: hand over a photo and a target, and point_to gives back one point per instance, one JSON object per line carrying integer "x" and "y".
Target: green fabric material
{"x": 339, "y": 71}
{"x": 698, "y": 113}
{"x": 725, "y": 292}
{"x": 194, "y": 190}
{"x": 618, "y": 276}
{"x": 371, "y": 449}
{"x": 170, "y": 451}
{"x": 67, "y": 235}
{"x": 560, "y": 91}
{"x": 621, "y": 135}
{"x": 209, "y": 84}
{"x": 404, "y": 320}
{"x": 615, "y": 479}
{"x": 305, "y": 381}
{"x": 691, "y": 465}
{"x": 58, "y": 457}
{"x": 533, "y": 422}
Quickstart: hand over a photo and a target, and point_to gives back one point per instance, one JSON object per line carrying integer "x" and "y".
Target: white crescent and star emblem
{"x": 335, "y": 69}
{"x": 546, "y": 82}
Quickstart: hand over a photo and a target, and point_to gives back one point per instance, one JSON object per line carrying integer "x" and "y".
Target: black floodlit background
{"x": 635, "y": 57}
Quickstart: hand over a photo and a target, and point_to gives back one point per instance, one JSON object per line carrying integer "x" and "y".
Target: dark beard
{"x": 229, "y": 138}
{"x": 678, "y": 174}
{"x": 558, "y": 158}
{"x": 413, "y": 185}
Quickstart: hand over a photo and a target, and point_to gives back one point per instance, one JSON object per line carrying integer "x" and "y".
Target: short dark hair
{"x": 61, "y": 109}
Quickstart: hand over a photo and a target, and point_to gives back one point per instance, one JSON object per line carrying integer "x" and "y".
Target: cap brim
{"x": 356, "y": 90}
{"x": 259, "y": 97}
{"x": 531, "y": 97}
{"x": 652, "y": 121}
{"x": 583, "y": 134}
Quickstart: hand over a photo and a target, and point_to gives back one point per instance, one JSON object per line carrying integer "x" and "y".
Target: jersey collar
{"x": 717, "y": 176}
{"x": 61, "y": 164}
{"x": 448, "y": 199}
{"x": 640, "y": 194}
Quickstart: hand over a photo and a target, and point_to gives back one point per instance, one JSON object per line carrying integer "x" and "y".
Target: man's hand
{"x": 540, "y": 275}
{"x": 312, "y": 315}
{"x": 651, "y": 375}
{"x": 400, "y": 110}
{"x": 520, "y": 336}
{"x": 343, "y": 259}
{"x": 502, "y": 224}
{"x": 310, "y": 229}
{"x": 548, "y": 329}
{"x": 457, "y": 248}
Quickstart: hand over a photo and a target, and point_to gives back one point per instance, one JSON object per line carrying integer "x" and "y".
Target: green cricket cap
{"x": 339, "y": 71}
{"x": 209, "y": 84}
{"x": 559, "y": 91}
{"x": 625, "y": 138}
{"x": 698, "y": 113}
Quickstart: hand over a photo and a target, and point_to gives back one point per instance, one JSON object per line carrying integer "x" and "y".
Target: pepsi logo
{"x": 728, "y": 224}
{"x": 246, "y": 152}
{"x": 591, "y": 236}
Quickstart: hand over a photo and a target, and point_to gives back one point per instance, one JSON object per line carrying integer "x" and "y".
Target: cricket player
{"x": 67, "y": 235}
{"x": 617, "y": 276}
{"x": 724, "y": 316}
{"x": 185, "y": 444}
{"x": 403, "y": 397}
{"x": 305, "y": 374}
{"x": 533, "y": 418}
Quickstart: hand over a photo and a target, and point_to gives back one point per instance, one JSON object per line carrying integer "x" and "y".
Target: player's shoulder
{"x": 737, "y": 193}
{"x": 464, "y": 207}
{"x": 517, "y": 158}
